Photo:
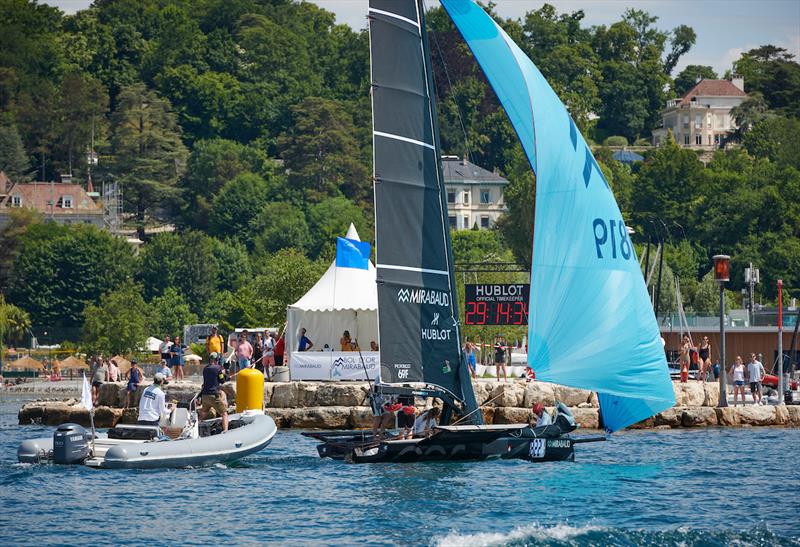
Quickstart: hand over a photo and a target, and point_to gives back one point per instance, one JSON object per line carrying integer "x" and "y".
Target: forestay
{"x": 417, "y": 313}
{"x": 591, "y": 324}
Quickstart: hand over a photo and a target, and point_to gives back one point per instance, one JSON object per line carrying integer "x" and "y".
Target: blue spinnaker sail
{"x": 591, "y": 324}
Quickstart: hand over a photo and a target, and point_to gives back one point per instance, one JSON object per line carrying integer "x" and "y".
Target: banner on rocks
{"x": 334, "y": 365}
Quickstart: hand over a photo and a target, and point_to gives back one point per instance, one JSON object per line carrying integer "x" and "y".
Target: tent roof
{"x": 626, "y": 156}
{"x": 152, "y": 343}
{"x": 73, "y": 362}
{"x": 342, "y": 288}
{"x": 26, "y": 362}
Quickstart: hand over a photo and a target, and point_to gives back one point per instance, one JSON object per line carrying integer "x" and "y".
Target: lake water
{"x": 682, "y": 487}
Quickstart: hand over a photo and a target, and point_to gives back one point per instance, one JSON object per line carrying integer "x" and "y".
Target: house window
{"x": 466, "y": 223}
{"x": 452, "y": 220}
{"x": 686, "y": 140}
{"x": 466, "y": 197}
{"x": 698, "y": 139}
{"x": 484, "y": 221}
{"x": 16, "y": 201}
{"x": 485, "y": 197}
{"x": 716, "y": 139}
{"x": 719, "y": 121}
{"x": 698, "y": 121}
{"x": 451, "y": 197}
{"x": 686, "y": 120}
{"x": 65, "y": 202}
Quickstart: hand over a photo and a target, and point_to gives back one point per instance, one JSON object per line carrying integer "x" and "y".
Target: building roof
{"x": 46, "y": 197}
{"x": 626, "y": 156}
{"x": 712, "y": 88}
{"x": 461, "y": 171}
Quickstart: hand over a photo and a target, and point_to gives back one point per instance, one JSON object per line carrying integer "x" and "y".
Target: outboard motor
{"x": 71, "y": 444}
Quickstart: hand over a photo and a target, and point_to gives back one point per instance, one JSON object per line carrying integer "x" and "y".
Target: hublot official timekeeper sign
{"x": 496, "y": 304}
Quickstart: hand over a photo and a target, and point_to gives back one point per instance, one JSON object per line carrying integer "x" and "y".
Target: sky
{"x": 724, "y": 28}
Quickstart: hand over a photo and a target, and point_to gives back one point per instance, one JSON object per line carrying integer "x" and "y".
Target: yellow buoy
{"x": 249, "y": 390}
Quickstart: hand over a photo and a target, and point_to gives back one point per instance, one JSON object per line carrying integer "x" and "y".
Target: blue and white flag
{"x": 351, "y": 253}
{"x": 86, "y": 394}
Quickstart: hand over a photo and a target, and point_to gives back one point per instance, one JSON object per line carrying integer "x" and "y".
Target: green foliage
{"x": 279, "y": 225}
{"x": 14, "y": 323}
{"x": 331, "y": 218}
{"x": 169, "y": 313}
{"x": 59, "y": 269}
{"x": 11, "y": 240}
{"x": 13, "y": 158}
{"x": 772, "y": 72}
{"x": 516, "y": 226}
{"x": 237, "y": 206}
{"x": 615, "y": 140}
{"x": 689, "y": 76}
{"x": 118, "y": 324}
{"x": 776, "y": 138}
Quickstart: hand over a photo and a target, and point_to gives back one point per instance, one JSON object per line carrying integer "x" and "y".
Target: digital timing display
{"x": 496, "y": 304}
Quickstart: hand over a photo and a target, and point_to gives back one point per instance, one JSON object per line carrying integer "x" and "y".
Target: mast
{"x": 417, "y": 312}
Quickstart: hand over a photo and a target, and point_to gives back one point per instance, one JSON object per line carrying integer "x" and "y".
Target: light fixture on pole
{"x": 722, "y": 274}
{"x": 780, "y": 341}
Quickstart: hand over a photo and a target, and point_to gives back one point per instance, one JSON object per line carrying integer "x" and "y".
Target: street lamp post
{"x": 721, "y": 275}
{"x": 780, "y": 341}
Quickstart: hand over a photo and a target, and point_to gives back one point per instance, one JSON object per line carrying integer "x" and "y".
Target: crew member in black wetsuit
{"x": 705, "y": 359}
{"x": 210, "y": 395}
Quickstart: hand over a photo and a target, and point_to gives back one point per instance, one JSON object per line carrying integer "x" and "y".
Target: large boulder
{"x": 781, "y": 415}
{"x": 360, "y": 417}
{"x": 728, "y": 416}
{"x": 482, "y": 390}
{"x": 647, "y": 423}
{"x": 539, "y": 392}
{"x": 340, "y": 394}
{"x": 593, "y": 401}
{"x": 793, "y": 413}
{"x": 129, "y": 416}
{"x": 269, "y": 387}
{"x": 321, "y": 417}
{"x": 184, "y": 392}
{"x": 282, "y": 416}
{"x": 511, "y": 415}
{"x": 587, "y": 418}
{"x": 698, "y": 417}
{"x": 693, "y": 394}
{"x": 679, "y": 396}
{"x": 31, "y": 413}
{"x": 757, "y": 415}
{"x": 507, "y": 395}
{"x": 284, "y": 395}
{"x": 112, "y": 394}
{"x": 711, "y": 390}
{"x": 571, "y": 396}
{"x": 106, "y": 416}
{"x": 670, "y": 417}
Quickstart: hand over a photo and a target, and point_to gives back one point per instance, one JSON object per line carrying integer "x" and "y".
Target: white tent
{"x": 343, "y": 299}
{"x": 153, "y": 344}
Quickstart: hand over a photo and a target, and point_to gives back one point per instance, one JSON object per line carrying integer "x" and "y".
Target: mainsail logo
{"x": 435, "y": 320}
{"x": 423, "y": 296}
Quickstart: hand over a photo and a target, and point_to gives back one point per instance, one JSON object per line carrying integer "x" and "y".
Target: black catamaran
{"x": 417, "y": 311}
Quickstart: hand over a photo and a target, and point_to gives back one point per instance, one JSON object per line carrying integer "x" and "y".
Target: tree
{"x": 279, "y": 225}
{"x": 516, "y": 226}
{"x": 59, "y": 269}
{"x": 169, "y": 313}
{"x": 14, "y": 322}
{"x": 752, "y": 110}
{"x": 682, "y": 39}
{"x": 118, "y": 324}
{"x": 773, "y": 72}
{"x": 237, "y": 205}
{"x": 776, "y": 138}
{"x": 322, "y": 154}
{"x": 11, "y": 240}
{"x": 689, "y": 76}
{"x": 82, "y": 107}
{"x": 147, "y": 155}
{"x": 331, "y": 218}
{"x": 13, "y": 158}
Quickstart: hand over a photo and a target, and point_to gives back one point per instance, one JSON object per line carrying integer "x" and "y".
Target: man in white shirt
{"x": 542, "y": 416}
{"x": 426, "y": 421}
{"x": 755, "y": 372}
{"x": 165, "y": 370}
{"x": 152, "y": 404}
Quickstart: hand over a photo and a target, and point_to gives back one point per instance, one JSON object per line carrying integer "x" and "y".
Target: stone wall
{"x": 343, "y": 405}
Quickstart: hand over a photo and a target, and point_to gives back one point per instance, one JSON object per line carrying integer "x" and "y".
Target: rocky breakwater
{"x": 344, "y": 405}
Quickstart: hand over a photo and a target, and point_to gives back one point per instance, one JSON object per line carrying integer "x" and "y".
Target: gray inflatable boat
{"x": 180, "y": 440}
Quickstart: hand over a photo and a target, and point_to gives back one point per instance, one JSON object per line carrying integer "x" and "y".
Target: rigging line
{"x": 450, "y": 87}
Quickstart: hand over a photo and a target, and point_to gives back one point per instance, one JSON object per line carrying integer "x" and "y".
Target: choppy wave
{"x": 564, "y": 535}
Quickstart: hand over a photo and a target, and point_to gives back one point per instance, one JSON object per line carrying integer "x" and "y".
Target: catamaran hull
{"x": 233, "y": 445}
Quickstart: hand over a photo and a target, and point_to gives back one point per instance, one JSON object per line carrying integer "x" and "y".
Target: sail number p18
{"x": 611, "y": 239}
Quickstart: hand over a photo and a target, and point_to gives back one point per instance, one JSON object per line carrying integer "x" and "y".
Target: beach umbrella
{"x": 73, "y": 363}
{"x": 27, "y": 363}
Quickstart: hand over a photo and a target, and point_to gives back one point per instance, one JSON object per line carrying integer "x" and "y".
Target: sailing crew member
{"x": 542, "y": 416}
{"x": 152, "y": 404}
{"x": 406, "y": 416}
{"x": 383, "y": 409}
{"x": 211, "y": 395}
{"x": 426, "y": 421}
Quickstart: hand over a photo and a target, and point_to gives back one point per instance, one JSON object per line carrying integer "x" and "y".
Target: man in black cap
{"x": 211, "y": 395}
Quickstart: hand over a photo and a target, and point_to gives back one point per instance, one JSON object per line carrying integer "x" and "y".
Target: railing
{"x": 697, "y": 321}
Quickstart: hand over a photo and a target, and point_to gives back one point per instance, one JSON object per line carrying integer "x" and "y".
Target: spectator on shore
{"x": 304, "y": 344}
{"x": 113, "y": 371}
{"x": 176, "y": 358}
{"x": 268, "y": 353}
{"x": 211, "y": 395}
{"x": 373, "y": 346}
{"x": 280, "y": 350}
{"x": 214, "y": 342}
{"x": 164, "y": 369}
{"x": 244, "y": 352}
{"x": 135, "y": 377}
{"x": 99, "y": 373}
{"x": 685, "y": 357}
{"x": 755, "y": 375}
{"x": 737, "y": 375}
{"x": 500, "y": 358}
{"x": 152, "y": 403}
{"x": 346, "y": 342}
{"x": 468, "y": 354}
{"x": 425, "y": 422}
{"x": 541, "y": 416}
{"x": 704, "y": 353}
{"x": 165, "y": 347}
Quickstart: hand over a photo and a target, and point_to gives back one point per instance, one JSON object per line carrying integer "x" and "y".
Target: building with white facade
{"x": 701, "y": 119}
{"x": 474, "y": 195}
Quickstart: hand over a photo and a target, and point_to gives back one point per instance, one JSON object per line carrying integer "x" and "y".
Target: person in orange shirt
{"x": 214, "y": 342}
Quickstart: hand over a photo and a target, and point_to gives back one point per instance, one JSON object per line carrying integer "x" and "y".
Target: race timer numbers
{"x": 496, "y": 304}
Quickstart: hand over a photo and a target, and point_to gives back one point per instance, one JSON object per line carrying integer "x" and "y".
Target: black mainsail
{"x": 417, "y": 311}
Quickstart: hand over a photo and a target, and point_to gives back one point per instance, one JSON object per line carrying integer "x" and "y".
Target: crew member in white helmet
{"x": 152, "y": 404}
